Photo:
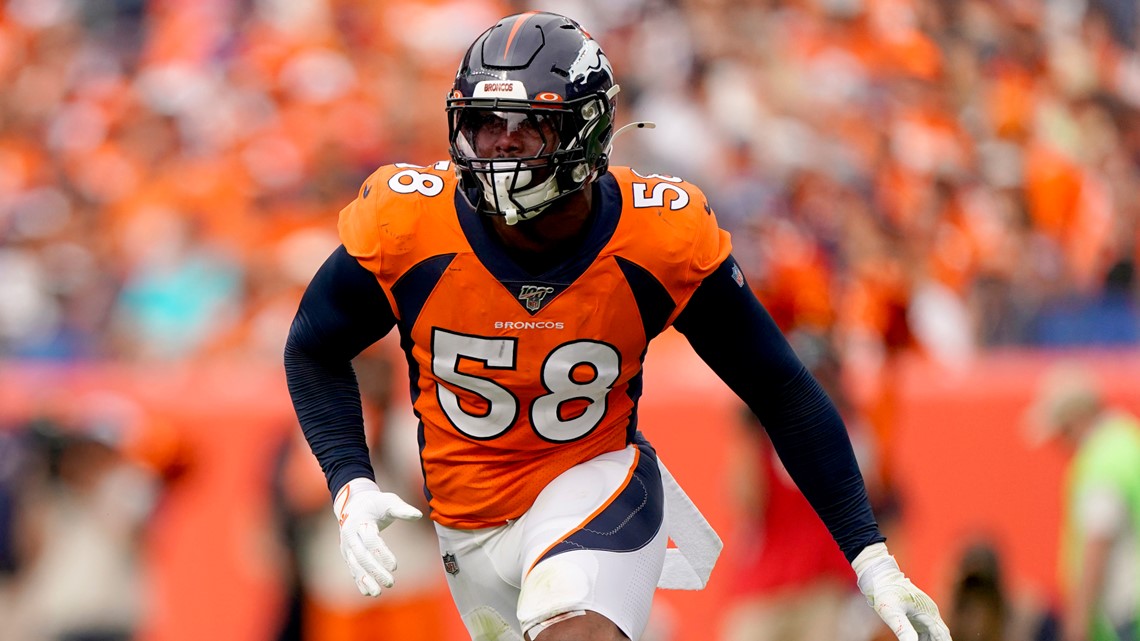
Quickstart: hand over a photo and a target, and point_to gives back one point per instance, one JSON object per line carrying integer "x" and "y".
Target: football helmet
{"x": 540, "y": 83}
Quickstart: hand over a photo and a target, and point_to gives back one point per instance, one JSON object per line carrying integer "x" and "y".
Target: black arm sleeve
{"x": 733, "y": 333}
{"x": 342, "y": 312}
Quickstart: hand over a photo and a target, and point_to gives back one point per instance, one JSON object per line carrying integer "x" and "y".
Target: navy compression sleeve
{"x": 733, "y": 333}
{"x": 342, "y": 312}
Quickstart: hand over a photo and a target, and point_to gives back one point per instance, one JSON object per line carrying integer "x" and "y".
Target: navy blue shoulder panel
{"x": 422, "y": 440}
{"x": 413, "y": 288}
{"x": 411, "y": 291}
{"x": 634, "y": 393}
{"x": 653, "y": 301}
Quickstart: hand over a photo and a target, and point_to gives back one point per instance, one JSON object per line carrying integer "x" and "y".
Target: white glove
{"x": 907, "y": 611}
{"x": 362, "y": 511}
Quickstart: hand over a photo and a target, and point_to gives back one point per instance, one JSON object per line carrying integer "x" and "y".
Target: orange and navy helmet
{"x": 542, "y": 74}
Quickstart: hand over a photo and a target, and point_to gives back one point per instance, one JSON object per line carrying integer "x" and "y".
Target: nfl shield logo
{"x": 532, "y": 295}
{"x": 450, "y": 564}
{"x": 737, "y": 276}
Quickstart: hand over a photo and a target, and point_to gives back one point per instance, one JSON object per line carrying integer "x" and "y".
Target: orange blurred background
{"x": 941, "y": 194}
{"x": 968, "y": 471}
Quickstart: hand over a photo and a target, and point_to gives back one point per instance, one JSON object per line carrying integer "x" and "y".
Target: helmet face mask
{"x": 513, "y": 155}
{"x": 531, "y": 115}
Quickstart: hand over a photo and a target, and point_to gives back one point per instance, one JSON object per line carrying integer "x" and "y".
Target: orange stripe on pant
{"x": 608, "y": 502}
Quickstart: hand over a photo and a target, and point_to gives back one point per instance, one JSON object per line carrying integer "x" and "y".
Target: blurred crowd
{"x": 933, "y": 176}
{"x": 947, "y": 174}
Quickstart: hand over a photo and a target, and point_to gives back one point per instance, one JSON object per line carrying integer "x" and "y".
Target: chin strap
{"x": 500, "y": 191}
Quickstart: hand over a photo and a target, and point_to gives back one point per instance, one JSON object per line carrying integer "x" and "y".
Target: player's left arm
{"x": 733, "y": 333}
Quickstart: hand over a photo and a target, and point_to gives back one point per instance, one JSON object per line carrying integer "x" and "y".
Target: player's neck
{"x": 550, "y": 238}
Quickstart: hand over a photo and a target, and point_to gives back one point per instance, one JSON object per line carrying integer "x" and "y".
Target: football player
{"x": 526, "y": 278}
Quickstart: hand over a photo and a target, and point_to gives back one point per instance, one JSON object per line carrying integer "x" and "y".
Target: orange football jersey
{"x": 517, "y": 377}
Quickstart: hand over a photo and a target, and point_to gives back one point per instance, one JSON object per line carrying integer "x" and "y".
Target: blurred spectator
{"x": 791, "y": 582}
{"x": 177, "y": 295}
{"x": 1100, "y": 556}
{"x": 778, "y": 595}
{"x": 984, "y": 608}
{"x": 329, "y": 607}
{"x": 16, "y": 463}
{"x": 979, "y": 609}
{"x": 82, "y": 508}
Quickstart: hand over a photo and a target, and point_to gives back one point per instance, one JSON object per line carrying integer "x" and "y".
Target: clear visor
{"x": 485, "y": 134}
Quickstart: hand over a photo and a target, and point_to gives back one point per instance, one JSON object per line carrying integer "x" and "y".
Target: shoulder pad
{"x": 392, "y": 204}
{"x": 393, "y": 183}
{"x": 660, "y": 192}
{"x": 670, "y": 229}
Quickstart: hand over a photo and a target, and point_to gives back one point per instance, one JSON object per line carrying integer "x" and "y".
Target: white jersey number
{"x": 656, "y": 197}
{"x": 410, "y": 181}
{"x": 495, "y": 353}
{"x": 582, "y": 370}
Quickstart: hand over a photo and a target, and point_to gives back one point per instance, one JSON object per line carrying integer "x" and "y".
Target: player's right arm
{"x": 342, "y": 312}
{"x": 348, "y": 307}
